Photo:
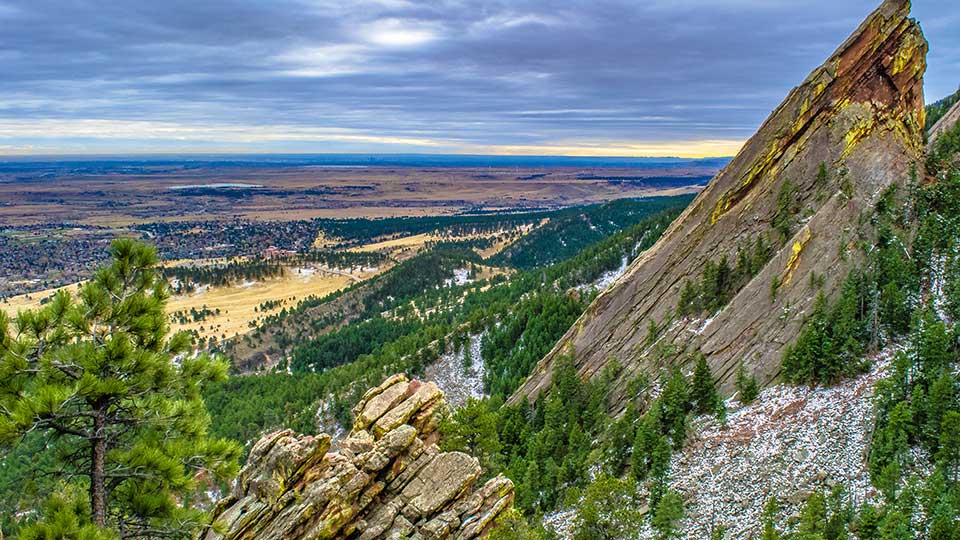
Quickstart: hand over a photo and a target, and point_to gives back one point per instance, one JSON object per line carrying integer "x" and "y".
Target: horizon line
{"x": 6, "y": 157}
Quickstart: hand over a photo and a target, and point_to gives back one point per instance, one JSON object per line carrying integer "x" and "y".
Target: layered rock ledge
{"x": 388, "y": 479}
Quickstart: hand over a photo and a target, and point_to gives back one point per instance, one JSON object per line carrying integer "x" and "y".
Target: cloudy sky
{"x": 584, "y": 77}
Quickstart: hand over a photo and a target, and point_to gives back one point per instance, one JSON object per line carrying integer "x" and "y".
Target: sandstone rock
{"x": 386, "y": 482}
{"x": 861, "y": 115}
{"x": 379, "y": 400}
{"x": 443, "y": 479}
{"x": 423, "y": 398}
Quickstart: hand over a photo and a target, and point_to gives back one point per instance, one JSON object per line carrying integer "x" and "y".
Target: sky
{"x": 542, "y": 77}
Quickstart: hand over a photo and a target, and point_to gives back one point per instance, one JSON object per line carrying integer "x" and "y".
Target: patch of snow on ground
{"x": 937, "y": 287}
{"x": 459, "y": 383}
{"x": 461, "y": 276}
{"x": 790, "y": 442}
{"x": 247, "y": 284}
{"x": 606, "y": 279}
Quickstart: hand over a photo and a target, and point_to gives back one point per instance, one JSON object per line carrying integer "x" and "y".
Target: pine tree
{"x": 896, "y": 526}
{"x": 648, "y": 434}
{"x": 746, "y": 385}
{"x": 813, "y": 518}
{"x": 620, "y": 440}
{"x": 770, "y": 511}
{"x": 666, "y": 515}
{"x": 948, "y": 456}
{"x": 689, "y": 299}
{"x": 675, "y": 404}
{"x": 704, "y": 389}
{"x": 99, "y": 373}
{"x": 941, "y": 398}
{"x": 868, "y": 523}
{"x": 799, "y": 362}
{"x": 943, "y": 522}
{"x": 609, "y": 510}
{"x": 473, "y": 429}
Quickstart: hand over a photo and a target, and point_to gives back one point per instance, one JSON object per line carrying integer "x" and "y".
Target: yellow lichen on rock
{"x": 795, "y": 252}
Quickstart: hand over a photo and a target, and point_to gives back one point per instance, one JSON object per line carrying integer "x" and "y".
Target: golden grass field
{"x": 236, "y": 303}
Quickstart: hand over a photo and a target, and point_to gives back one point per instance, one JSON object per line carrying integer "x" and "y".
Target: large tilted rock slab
{"x": 387, "y": 480}
{"x": 861, "y": 115}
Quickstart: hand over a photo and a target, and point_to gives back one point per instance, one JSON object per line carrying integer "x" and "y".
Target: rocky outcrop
{"x": 387, "y": 480}
{"x": 861, "y": 115}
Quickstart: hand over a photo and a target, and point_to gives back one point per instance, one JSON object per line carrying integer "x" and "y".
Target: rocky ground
{"x": 459, "y": 379}
{"x": 788, "y": 443}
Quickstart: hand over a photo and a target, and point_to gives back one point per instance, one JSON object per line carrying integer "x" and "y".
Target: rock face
{"x": 388, "y": 480}
{"x": 860, "y": 114}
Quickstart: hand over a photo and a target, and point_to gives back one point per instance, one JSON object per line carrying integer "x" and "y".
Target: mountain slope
{"x": 945, "y": 123}
{"x": 853, "y": 128}
{"x": 936, "y": 111}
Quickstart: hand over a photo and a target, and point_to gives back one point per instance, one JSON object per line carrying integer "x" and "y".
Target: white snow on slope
{"x": 790, "y": 442}
{"x": 459, "y": 383}
{"x": 606, "y": 279}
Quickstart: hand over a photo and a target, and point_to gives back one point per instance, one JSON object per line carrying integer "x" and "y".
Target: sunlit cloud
{"x": 684, "y": 149}
{"x": 291, "y": 138}
{"x": 323, "y": 61}
{"x": 146, "y": 130}
{"x": 399, "y": 33}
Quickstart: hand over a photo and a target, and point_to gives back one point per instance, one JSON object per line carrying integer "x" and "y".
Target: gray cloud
{"x": 397, "y": 75}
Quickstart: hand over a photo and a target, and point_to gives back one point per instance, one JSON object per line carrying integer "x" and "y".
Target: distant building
{"x": 273, "y": 252}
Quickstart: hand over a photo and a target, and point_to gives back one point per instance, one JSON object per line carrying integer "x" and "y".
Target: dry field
{"x": 238, "y": 304}
{"x": 291, "y": 193}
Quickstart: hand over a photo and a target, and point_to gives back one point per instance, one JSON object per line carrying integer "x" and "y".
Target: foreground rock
{"x": 388, "y": 479}
{"x": 860, "y": 116}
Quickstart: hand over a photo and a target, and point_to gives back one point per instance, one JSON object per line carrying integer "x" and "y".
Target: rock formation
{"x": 387, "y": 480}
{"x": 861, "y": 115}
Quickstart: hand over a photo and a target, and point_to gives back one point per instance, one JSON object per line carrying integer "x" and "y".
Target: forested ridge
{"x": 537, "y": 305}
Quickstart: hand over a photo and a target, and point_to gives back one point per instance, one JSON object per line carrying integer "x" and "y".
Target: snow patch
{"x": 789, "y": 443}
{"x": 606, "y": 279}
{"x": 459, "y": 382}
{"x": 792, "y": 441}
{"x": 461, "y": 276}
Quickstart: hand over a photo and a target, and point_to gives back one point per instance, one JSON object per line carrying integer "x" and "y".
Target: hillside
{"x": 938, "y": 110}
{"x": 947, "y": 114}
{"x": 787, "y": 211}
